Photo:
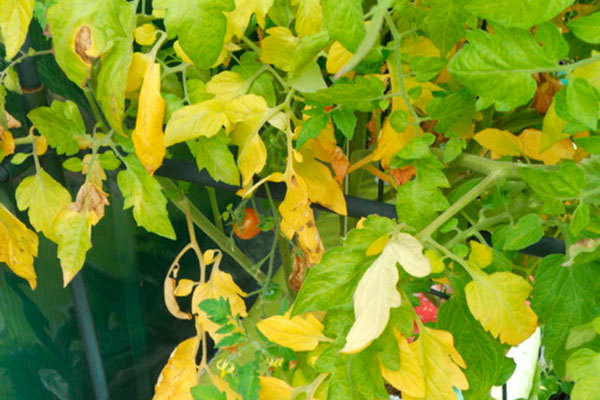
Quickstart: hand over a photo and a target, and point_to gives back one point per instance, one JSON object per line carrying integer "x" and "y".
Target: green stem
{"x": 214, "y": 205}
{"x": 21, "y": 58}
{"x": 182, "y": 203}
{"x": 460, "y": 204}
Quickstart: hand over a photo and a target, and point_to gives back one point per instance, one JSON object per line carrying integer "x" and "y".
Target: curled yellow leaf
{"x": 499, "y": 142}
{"x": 148, "y": 134}
{"x": 18, "y": 246}
{"x": 300, "y": 333}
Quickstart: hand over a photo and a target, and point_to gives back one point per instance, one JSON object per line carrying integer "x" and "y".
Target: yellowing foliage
{"x": 18, "y": 246}
{"x": 180, "y": 373}
{"x": 300, "y": 333}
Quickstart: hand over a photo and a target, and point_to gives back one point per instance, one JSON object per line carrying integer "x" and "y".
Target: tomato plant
{"x": 249, "y": 227}
{"x": 473, "y": 122}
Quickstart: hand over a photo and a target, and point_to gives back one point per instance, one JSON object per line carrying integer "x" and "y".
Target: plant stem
{"x": 181, "y": 202}
{"x": 460, "y": 204}
{"x": 214, "y": 205}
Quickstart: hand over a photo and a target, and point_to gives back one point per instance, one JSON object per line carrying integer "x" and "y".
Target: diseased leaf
{"x": 180, "y": 373}
{"x": 142, "y": 192}
{"x": 201, "y": 119}
{"x": 274, "y": 389}
{"x": 278, "y": 48}
{"x": 18, "y": 246}
{"x": 299, "y": 333}
{"x": 44, "y": 197}
{"x": 148, "y": 134}
{"x": 497, "y": 301}
{"x": 14, "y": 24}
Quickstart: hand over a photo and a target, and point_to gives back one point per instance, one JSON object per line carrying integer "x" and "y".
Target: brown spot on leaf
{"x": 340, "y": 164}
{"x": 91, "y": 198}
{"x": 403, "y": 174}
{"x": 83, "y": 42}
{"x": 301, "y": 265}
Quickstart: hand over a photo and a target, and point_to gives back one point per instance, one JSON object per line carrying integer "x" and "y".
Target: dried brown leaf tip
{"x": 91, "y": 198}
{"x": 83, "y": 42}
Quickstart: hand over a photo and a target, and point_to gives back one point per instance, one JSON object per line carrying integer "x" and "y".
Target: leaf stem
{"x": 214, "y": 205}
{"x": 461, "y": 203}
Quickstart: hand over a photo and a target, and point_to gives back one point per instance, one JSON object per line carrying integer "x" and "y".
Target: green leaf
{"x": 72, "y": 232}
{"x": 453, "y": 149}
{"x": 564, "y": 184}
{"x": 587, "y": 28}
{"x": 311, "y": 129}
{"x": 563, "y": 298}
{"x": 344, "y": 22}
{"x": 193, "y": 19}
{"x": 213, "y": 154}
{"x": 206, "y": 392}
{"x": 361, "y": 94}
{"x": 14, "y": 24}
{"x": 44, "y": 197}
{"x": 583, "y": 367}
{"x": 83, "y": 31}
{"x": 345, "y": 120}
{"x": 309, "y": 79}
{"x": 60, "y": 124}
{"x": 518, "y": 13}
{"x": 418, "y": 202}
{"x": 247, "y": 381}
{"x": 454, "y": 113}
{"x": 426, "y": 68}
{"x": 582, "y": 334}
{"x": 527, "y": 231}
{"x": 475, "y": 345}
{"x": 399, "y": 120}
{"x": 581, "y": 218}
{"x": 143, "y": 192}
{"x": 19, "y": 158}
{"x": 499, "y": 67}
{"x": 357, "y": 377}
{"x": 445, "y": 23}
{"x": 590, "y": 144}
{"x": 331, "y": 282}
{"x": 217, "y": 310}
{"x": 552, "y": 40}
{"x": 578, "y": 102}
{"x": 308, "y": 48}
{"x": 73, "y": 164}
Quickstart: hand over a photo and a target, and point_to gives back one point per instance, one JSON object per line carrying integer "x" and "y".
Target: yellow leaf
{"x": 185, "y": 287}
{"x": 278, "y": 48}
{"x": 301, "y": 333}
{"x": 435, "y": 260}
{"x": 180, "y": 373}
{"x": 409, "y": 377}
{"x": 145, "y": 34}
{"x": 44, "y": 197}
{"x": 497, "y": 301}
{"x": 377, "y": 246}
{"x": 7, "y": 143}
{"x": 309, "y": 17}
{"x": 226, "y": 85}
{"x": 219, "y": 285}
{"x": 481, "y": 255}
{"x": 439, "y": 366}
{"x": 552, "y": 129}
{"x": 337, "y": 57}
{"x": 274, "y": 389}
{"x": 248, "y": 113}
{"x": 590, "y": 72}
{"x": 18, "y": 246}
{"x": 201, "y": 119}
{"x": 297, "y": 218}
{"x": 148, "y": 133}
{"x": 179, "y": 51}
{"x": 531, "y": 139}
{"x": 499, "y": 142}
{"x": 137, "y": 70}
{"x": 321, "y": 185}
{"x": 14, "y": 24}
{"x": 419, "y": 45}
{"x": 238, "y": 19}
{"x": 41, "y": 145}
{"x": 390, "y": 142}
{"x": 170, "y": 291}
{"x": 408, "y": 251}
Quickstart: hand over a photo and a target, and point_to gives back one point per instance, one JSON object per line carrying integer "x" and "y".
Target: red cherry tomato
{"x": 328, "y": 108}
{"x": 427, "y": 311}
{"x": 249, "y": 227}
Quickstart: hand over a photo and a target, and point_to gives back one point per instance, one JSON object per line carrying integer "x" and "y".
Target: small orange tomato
{"x": 249, "y": 227}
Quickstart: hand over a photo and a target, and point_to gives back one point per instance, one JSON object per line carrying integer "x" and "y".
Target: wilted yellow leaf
{"x": 497, "y": 301}
{"x": 531, "y": 139}
{"x": 180, "y": 373}
{"x": 7, "y": 143}
{"x": 18, "y": 246}
{"x": 137, "y": 70}
{"x": 145, "y": 34}
{"x": 278, "y": 47}
{"x": 297, "y": 218}
{"x": 169, "y": 293}
{"x": 219, "y": 285}
{"x": 274, "y": 389}
{"x": 247, "y": 113}
{"x": 552, "y": 129}
{"x": 301, "y": 333}
{"x": 337, "y": 57}
{"x": 481, "y": 255}
{"x": 148, "y": 133}
{"x": 438, "y": 367}
{"x": 179, "y": 51}
{"x": 499, "y": 142}
{"x": 309, "y": 17}
{"x": 238, "y": 19}
{"x": 185, "y": 287}
{"x": 408, "y": 251}
{"x": 201, "y": 119}
{"x": 44, "y": 197}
